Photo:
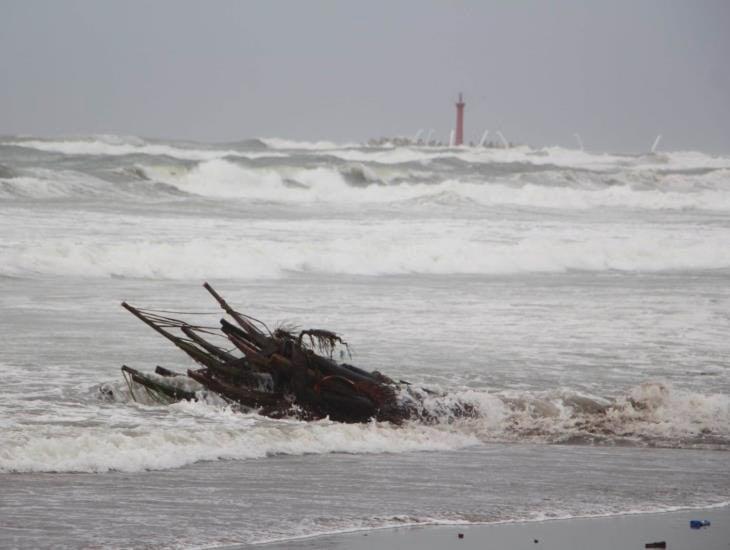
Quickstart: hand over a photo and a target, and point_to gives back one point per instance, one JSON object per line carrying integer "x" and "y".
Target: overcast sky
{"x": 617, "y": 72}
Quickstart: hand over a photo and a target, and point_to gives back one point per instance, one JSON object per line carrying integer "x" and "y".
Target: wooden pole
{"x": 255, "y": 333}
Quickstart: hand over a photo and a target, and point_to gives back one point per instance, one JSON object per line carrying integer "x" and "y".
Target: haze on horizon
{"x": 618, "y": 73}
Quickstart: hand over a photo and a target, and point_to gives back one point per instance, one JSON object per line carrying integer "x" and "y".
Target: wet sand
{"x": 625, "y": 532}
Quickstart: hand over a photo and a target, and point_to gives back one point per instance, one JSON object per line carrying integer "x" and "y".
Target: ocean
{"x": 579, "y": 301}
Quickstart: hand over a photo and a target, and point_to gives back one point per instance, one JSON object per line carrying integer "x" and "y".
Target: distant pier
{"x": 456, "y": 136}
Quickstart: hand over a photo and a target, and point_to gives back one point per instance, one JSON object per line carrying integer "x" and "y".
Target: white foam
{"x": 271, "y": 249}
{"x": 140, "y": 437}
{"x": 653, "y": 412}
{"x": 554, "y": 156}
{"x": 614, "y": 181}
{"x": 224, "y": 179}
{"x": 219, "y": 178}
{"x": 288, "y": 144}
{"x": 229, "y": 436}
{"x": 572, "y": 198}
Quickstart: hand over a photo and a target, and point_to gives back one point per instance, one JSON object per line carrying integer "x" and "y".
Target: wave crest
{"x": 116, "y": 146}
{"x": 653, "y": 413}
{"x": 359, "y": 183}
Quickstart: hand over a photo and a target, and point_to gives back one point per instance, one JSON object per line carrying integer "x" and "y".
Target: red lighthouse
{"x": 459, "y": 138}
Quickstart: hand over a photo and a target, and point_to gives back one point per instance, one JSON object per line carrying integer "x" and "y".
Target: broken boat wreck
{"x": 279, "y": 373}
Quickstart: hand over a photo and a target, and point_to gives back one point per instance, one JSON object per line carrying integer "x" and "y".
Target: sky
{"x": 618, "y": 73}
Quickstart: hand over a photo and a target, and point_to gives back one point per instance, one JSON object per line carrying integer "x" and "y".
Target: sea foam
{"x": 224, "y": 179}
{"x": 653, "y": 413}
{"x": 227, "y": 437}
{"x": 258, "y": 251}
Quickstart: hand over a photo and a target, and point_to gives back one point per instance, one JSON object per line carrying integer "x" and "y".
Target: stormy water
{"x": 579, "y": 301}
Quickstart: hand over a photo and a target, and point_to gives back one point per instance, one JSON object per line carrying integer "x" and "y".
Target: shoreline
{"x": 625, "y": 530}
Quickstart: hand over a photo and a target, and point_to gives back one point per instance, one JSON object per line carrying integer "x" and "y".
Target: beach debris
{"x": 280, "y": 373}
{"x": 660, "y": 544}
{"x": 699, "y": 523}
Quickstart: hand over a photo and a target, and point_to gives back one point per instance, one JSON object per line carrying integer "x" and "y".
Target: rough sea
{"x": 580, "y": 301}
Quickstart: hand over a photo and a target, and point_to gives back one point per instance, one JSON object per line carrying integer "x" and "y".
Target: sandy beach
{"x": 625, "y": 532}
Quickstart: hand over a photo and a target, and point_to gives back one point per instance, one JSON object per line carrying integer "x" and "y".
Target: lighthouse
{"x": 459, "y": 138}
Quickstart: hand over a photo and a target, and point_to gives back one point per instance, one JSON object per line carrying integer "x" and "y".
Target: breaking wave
{"x": 117, "y": 145}
{"x": 226, "y": 435}
{"x": 651, "y": 414}
{"x": 279, "y": 143}
{"x": 547, "y": 156}
{"x": 275, "y": 170}
{"x": 122, "y": 146}
{"x": 362, "y": 184}
{"x": 361, "y": 250}
{"x": 45, "y": 184}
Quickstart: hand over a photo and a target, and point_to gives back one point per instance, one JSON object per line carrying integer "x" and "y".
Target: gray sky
{"x": 618, "y": 72}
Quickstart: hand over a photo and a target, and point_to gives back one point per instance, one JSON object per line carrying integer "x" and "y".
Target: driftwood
{"x": 279, "y": 373}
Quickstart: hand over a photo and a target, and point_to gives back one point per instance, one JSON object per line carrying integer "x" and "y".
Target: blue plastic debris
{"x": 698, "y": 523}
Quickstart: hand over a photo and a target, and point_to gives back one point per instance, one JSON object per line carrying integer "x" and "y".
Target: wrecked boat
{"x": 279, "y": 373}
